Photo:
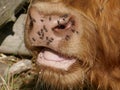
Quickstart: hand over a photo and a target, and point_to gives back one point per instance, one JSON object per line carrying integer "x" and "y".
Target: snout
{"x": 50, "y": 29}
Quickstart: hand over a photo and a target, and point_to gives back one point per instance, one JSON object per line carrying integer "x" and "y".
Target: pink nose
{"x": 49, "y": 28}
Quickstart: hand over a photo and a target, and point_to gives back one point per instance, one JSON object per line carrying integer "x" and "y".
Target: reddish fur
{"x": 102, "y": 35}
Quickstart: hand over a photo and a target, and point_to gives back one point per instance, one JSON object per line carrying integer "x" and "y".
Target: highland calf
{"x": 75, "y": 43}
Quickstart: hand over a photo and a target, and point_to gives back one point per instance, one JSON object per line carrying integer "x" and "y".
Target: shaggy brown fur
{"x": 97, "y": 45}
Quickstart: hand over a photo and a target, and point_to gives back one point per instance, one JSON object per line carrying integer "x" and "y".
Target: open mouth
{"x": 52, "y": 59}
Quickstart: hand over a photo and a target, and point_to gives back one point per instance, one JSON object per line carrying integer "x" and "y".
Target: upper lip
{"x": 42, "y": 49}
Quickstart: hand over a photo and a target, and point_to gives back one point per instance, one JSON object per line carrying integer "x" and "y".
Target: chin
{"x": 58, "y": 71}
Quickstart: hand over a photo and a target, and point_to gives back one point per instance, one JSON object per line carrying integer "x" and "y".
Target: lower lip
{"x": 64, "y": 64}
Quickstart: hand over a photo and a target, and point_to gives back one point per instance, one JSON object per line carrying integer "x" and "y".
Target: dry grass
{"x": 23, "y": 81}
{"x": 9, "y": 83}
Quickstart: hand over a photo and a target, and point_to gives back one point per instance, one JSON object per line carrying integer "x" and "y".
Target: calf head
{"x": 75, "y": 43}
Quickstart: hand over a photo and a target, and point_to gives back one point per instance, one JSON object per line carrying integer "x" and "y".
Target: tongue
{"x": 52, "y": 56}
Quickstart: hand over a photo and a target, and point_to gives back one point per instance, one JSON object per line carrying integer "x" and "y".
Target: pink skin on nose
{"x": 50, "y": 29}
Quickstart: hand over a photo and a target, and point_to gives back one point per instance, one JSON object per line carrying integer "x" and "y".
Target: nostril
{"x": 64, "y": 26}
{"x": 60, "y": 23}
{"x": 60, "y": 27}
